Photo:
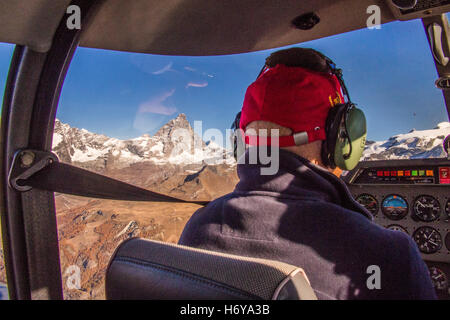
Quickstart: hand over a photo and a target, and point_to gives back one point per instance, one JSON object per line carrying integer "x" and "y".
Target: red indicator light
{"x": 387, "y": 174}
{"x": 408, "y": 173}
{"x": 393, "y": 173}
{"x": 379, "y": 173}
{"x": 444, "y": 175}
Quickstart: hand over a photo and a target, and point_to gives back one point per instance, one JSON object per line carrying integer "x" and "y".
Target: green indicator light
{"x": 421, "y": 173}
{"x": 414, "y": 173}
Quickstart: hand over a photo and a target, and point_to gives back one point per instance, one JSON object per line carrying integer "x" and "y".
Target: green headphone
{"x": 345, "y": 128}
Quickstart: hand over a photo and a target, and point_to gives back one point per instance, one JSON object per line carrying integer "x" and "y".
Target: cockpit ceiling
{"x": 186, "y": 27}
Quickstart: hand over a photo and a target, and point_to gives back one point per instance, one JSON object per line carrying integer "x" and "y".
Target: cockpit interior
{"x": 407, "y": 194}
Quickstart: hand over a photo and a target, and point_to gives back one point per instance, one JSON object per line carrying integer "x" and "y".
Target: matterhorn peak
{"x": 180, "y": 122}
{"x": 181, "y": 116}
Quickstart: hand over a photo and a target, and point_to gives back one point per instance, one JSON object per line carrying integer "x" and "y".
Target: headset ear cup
{"x": 349, "y": 149}
{"x": 332, "y": 129}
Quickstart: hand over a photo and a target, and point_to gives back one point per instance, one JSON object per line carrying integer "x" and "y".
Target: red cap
{"x": 292, "y": 97}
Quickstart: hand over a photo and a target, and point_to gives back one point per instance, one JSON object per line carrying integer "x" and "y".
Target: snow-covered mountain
{"x": 416, "y": 144}
{"x": 175, "y": 143}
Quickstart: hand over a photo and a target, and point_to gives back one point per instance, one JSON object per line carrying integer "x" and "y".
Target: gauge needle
{"x": 433, "y": 243}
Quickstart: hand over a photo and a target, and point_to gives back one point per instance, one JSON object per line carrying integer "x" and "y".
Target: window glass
{"x": 91, "y": 229}
{"x": 125, "y": 95}
{"x": 120, "y": 112}
{"x": 5, "y": 59}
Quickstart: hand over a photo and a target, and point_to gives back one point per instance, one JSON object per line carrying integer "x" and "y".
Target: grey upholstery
{"x": 186, "y": 27}
{"x": 143, "y": 269}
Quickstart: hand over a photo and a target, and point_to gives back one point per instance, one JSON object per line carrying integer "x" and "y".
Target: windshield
{"x": 119, "y": 113}
{"x": 390, "y": 74}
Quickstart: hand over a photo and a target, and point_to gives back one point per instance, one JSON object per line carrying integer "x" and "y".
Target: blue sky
{"x": 389, "y": 72}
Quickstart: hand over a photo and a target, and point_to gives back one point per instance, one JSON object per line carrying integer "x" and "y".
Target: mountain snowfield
{"x": 417, "y": 144}
{"x": 174, "y": 144}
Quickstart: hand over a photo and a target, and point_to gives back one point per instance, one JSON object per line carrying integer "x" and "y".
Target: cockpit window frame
{"x": 29, "y": 109}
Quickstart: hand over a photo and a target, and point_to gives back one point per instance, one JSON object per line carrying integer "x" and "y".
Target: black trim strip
{"x": 28, "y": 220}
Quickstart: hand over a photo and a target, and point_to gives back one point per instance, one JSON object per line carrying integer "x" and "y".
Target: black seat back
{"x": 143, "y": 269}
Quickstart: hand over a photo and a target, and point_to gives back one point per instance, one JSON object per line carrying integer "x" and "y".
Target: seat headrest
{"x": 144, "y": 269}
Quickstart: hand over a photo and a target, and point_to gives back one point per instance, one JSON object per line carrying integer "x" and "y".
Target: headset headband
{"x": 338, "y": 73}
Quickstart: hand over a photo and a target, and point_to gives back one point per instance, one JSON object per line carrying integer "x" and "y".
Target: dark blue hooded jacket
{"x": 306, "y": 216}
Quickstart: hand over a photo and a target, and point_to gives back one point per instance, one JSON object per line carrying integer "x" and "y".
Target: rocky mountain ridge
{"x": 175, "y": 143}
{"x": 417, "y": 144}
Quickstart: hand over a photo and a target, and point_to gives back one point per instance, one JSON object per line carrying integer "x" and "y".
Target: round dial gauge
{"x": 394, "y": 207}
{"x": 426, "y": 208}
{"x": 428, "y": 239}
{"x": 396, "y": 227}
{"x": 369, "y": 202}
{"x": 439, "y": 279}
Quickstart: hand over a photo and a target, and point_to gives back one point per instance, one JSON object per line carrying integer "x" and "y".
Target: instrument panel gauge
{"x": 394, "y": 207}
{"x": 396, "y": 227}
{"x": 438, "y": 278}
{"x": 426, "y": 208}
{"x": 428, "y": 239}
{"x": 369, "y": 202}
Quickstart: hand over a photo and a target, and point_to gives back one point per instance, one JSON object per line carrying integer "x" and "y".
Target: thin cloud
{"x": 190, "y": 69}
{"x": 199, "y": 72}
{"x": 168, "y": 67}
{"x": 197, "y": 85}
{"x": 156, "y": 105}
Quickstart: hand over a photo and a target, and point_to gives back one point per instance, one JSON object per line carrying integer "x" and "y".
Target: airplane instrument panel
{"x": 411, "y": 196}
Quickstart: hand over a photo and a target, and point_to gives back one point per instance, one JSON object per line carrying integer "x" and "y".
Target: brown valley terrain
{"x": 89, "y": 230}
